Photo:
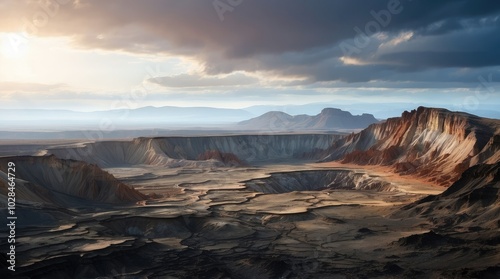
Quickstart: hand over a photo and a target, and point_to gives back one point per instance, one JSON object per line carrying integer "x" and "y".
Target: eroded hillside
{"x": 188, "y": 151}
{"x": 48, "y": 179}
{"x": 433, "y": 143}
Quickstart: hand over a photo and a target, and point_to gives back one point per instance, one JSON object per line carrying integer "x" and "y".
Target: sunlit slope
{"x": 428, "y": 142}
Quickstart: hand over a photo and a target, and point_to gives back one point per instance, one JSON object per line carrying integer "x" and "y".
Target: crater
{"x": 318, "y": 180}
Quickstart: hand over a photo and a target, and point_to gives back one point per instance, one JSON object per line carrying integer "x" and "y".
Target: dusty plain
{"x": 204, "y": 221}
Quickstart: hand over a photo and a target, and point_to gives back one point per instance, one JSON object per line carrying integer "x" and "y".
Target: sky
{"x": 89, "y": 55}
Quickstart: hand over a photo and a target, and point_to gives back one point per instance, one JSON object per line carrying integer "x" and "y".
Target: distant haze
{"x": 328, "y": 119}
{"x": 203, "y": 118}
{"x": 379, "y": 57}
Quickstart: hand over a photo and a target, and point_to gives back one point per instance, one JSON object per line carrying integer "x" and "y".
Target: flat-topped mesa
{"x": 185, "y": 151}
{"x": 434, "y": 143}
{"x": 328, "y": 119}
{"x": 53, "y": 180}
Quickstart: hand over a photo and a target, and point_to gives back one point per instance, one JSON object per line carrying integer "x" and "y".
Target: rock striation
{"x": 473, "y": 200}
{"x": 185, "y": 151}
{"x": 225, "y": 159}
{"x": 317, "y": 180}
{"x": 48, "y": 179}
{"x": 434, "y": 143}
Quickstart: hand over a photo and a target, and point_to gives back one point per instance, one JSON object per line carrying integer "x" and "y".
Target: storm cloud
{"x": 316, "y": 41}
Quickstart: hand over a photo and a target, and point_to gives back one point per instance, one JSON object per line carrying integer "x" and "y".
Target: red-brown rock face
{"x": 227, "y": 159}
{"x": 428, "y": 142}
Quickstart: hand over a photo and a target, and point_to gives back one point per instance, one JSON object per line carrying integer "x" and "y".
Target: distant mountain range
{"x": 125, "y": 119}
{"x": 22, "y": 123}
{"x": 379, "y": 110}
{"x": 171, "y": 117}
{"x": 328, "y": 119}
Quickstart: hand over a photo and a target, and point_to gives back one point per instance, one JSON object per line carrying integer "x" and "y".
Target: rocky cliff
{"x": 472, "y": 201}
{"x": 182, "y": 151}
{"x": 48, "y": 179}
{"x": 434, "y": 143}
{"x": 224, "y": 159}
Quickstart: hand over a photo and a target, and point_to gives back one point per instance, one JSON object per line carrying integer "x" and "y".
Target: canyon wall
{"x": 181, "y": 151}
{"x": 472, "y": 200}
{"x": 48, "y": 179}
{"x": 428, "y": 142}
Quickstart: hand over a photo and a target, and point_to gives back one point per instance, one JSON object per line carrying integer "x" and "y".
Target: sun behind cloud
{"x": 12, "y": 46}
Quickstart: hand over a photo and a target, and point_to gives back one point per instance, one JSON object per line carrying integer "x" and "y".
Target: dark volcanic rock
{"x": 473, "y": 198}
{"x": 392, "y": 269}
{"x": 428, "y": 240}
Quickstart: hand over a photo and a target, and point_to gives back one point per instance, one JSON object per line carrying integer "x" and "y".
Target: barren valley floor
{"x": 269, "y": 219}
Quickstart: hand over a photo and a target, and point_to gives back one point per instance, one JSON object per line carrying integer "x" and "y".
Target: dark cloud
{"x": 445, "y": 59}
{"x": 285, "y": 37}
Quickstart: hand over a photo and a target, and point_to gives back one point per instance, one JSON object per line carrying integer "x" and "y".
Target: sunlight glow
{"x": 352, "y": 61}
{"x": 13, "y": 46}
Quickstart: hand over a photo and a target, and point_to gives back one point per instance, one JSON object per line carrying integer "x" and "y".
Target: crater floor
{"x": 270, "y": 220}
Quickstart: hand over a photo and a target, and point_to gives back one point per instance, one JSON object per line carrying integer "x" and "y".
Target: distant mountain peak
{"x": 276, "y": 113}
{"x": 327, "y": 119}
{"x": 334, "y": 111}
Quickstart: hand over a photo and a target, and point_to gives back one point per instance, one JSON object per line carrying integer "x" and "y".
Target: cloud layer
{"x": 422, "y": 43}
